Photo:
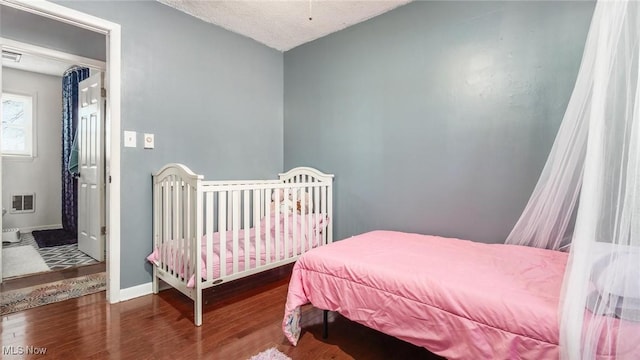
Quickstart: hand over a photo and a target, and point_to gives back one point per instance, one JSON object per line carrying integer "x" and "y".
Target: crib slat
{"x": 191, "y": 229}
{"x": 299, "y": 224}
{"x": 184, "y": 225}
{"x": 165, "y": 223}
{"x": 181, "y": 228}
{"x": 289, "y": 227}
{"x": 174, "y": 204}
{"x": 166, "y": 233}
{"x": 303, "y": 220}
{"x": 170, "y": 257}
{"x": 317, "y": 217}
{"x": 279, "y": 226}
{"x": 325, "y": 211}
{"x": 222, "y": 230}
{"x": 178, "y": 207}
{"x": 172, "y": 235}
{"x": 162, "y": 227}
{"x": 267, "y": 225}
{"x": 276, "y": 226}
{"x": 185, "y": 220}
{"x": 246, "y": 217}
{"x": 209, "y": 216}
{"x": 317, "y": 206}
{"x": 257, "y": 208}
{"x": 177, "y": 226}
{"x": 229, "y": 212}
{"x": 236, "y": 228}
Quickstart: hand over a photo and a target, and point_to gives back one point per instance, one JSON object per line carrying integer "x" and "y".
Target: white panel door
{"x": 91, "y": 166}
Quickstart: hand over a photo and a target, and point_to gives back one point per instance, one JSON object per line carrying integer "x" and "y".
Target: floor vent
{"x": 23, "y": 203}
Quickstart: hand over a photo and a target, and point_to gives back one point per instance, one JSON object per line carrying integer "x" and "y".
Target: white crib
{"x": 206, "y": 233}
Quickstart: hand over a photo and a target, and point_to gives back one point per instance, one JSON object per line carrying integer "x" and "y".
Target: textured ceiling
{"x": 284, "y": 24}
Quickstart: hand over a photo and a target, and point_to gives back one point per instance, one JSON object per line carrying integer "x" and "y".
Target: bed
{"x": 457, "y": 298}
{"x": 206, "y": 233}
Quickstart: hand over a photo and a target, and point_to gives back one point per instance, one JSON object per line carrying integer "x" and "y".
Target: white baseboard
{"x": 141, "y": 290}
{"x": 28, "y": 229}
{"x": 136, "y": 291}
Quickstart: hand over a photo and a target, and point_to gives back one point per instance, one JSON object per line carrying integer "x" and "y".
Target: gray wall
{"x": 41, "y": 174}
{"x": 212, "y": 98}
{"x": 436, "y": 117}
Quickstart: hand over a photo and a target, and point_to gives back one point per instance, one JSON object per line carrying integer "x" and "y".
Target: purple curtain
{"x": 70, "y": 81}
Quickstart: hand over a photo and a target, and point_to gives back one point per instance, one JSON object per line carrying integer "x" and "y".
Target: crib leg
{"x": 197, "y": 311}
{"x": 155, "y": 282}
{"x": 325, "y": 324}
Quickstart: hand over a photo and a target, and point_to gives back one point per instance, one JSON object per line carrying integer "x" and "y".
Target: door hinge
{"x": 103, "y": 230}
{"x": 103, "y": 92}
{"x": 109, "y": 179}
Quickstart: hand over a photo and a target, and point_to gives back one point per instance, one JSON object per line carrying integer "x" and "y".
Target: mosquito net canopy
{"x": 587, "y": 199}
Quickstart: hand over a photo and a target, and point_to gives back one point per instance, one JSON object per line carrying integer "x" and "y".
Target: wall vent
{"x": 23, "y": 203}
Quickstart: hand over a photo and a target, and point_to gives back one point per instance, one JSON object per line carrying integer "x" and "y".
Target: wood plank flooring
{"x": 241, "y": 319}
{"x": 51, "y": 276}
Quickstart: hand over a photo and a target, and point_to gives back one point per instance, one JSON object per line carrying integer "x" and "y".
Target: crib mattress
{"x": 457, "y": 298}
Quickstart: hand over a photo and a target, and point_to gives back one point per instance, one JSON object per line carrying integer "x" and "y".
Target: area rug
{"x": 22, "y": 260}
{"x": 55, "y": 237}
{"x": 27, "y": 298}
{"x": 270, "y": 354}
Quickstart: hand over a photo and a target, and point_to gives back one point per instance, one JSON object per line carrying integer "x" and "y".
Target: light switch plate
{"x": 149, "y": 141}
{"x": 129, "y": 138}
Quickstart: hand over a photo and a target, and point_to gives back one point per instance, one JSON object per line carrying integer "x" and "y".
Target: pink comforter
{"x": 174, "y": 256}
{"x": 457, "y": 298}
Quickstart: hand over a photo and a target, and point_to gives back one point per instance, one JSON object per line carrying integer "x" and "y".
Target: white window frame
{"x": 30, "y": 128}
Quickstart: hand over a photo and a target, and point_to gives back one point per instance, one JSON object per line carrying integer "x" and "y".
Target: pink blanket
{"x": 457, "y": 298}
{"x": 297, "y": 232}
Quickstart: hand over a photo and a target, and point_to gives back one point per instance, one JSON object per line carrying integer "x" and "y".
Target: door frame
{"x": 112, "y": 84}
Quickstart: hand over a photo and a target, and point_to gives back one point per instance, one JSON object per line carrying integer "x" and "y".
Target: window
{"x": 17, "y": 125}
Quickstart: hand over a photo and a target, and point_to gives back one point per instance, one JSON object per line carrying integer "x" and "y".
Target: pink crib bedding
{"x": 293, "y": 239}
{"x": 457, "y": 298}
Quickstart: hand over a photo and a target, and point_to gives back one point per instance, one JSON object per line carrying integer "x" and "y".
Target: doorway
{"x": 41, "y": 206}
{"x": 111, "y": 31}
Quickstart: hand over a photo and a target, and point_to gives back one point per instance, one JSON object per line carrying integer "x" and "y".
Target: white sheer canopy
{"x": 592, "y": 178}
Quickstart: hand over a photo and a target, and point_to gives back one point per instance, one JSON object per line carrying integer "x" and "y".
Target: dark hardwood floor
{"x": 241, "y": 319}
{"x": 51, "y": 276}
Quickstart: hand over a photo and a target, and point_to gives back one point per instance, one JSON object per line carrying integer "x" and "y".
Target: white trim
{"x": 141, "y": 290}
{"x": 112, "y": 84}
{"x": 136, "y": 291}
{"x": 63, "y": 14}
{"x": 24, "y": 48}
{"x": 28, "y": 229}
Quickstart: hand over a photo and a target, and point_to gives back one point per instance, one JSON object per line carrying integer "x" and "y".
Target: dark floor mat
{"x": 56, "y": 237}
